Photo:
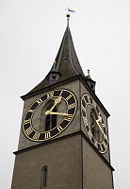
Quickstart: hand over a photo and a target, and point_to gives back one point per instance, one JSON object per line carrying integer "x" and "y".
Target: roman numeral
{"x": 95, "y": 143}
{"x": 90, "y": 134}
{"x": 90, "y": 100}
{"x": 104, "y": 144}
{"x": 32, "y": 111}
{"x": 27, "y": 121}
{"x": 85, "y": 121}
{"x": 101, "y": 148}
{"x": 72, "y": 106}
{"x": 36, "y": 135}
{"x": 47, "y": 135}
{"x": 29, "y": 130}
{"x": 69, "y": 117}
{"x": 59, "y": 128}
{"x": 83, "y": 108}
{"x": 39, "y": 101}
{"x": 68, "y": 97}
{"x": 50, "y": 94}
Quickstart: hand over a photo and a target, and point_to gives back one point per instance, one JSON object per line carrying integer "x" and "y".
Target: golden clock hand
{"x": 98, "y": 123}
{"x": 47, "y": 112}
{"x": 57, "y": 101}
{"x": 57, "y": 113}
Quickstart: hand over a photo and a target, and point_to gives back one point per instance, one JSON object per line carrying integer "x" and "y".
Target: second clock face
{"x": 94, "y": 123}
{"x": 49, "y": 115}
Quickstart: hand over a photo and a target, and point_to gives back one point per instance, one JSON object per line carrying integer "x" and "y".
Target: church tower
{"x": 64, "y": 140}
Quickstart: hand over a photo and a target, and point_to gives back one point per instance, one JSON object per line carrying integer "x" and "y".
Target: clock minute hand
{"x": 57, "y": 113}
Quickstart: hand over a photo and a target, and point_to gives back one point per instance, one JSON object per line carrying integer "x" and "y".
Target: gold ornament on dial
{"x": 49, "y": 115}
{"x": 94, "y": 123}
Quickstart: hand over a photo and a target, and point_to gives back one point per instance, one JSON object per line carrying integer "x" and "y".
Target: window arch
{"x": 44, "y": 175}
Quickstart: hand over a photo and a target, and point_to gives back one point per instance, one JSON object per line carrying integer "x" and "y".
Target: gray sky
{"x": 30, "y": 35}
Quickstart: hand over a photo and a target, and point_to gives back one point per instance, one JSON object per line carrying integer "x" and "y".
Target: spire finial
{"x": 68, "y": 17}
{"x": 88, "y": 72}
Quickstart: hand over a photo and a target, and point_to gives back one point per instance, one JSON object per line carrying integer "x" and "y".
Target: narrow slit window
{"x": 44, "y": 174}
{"x": 51, "y": 121}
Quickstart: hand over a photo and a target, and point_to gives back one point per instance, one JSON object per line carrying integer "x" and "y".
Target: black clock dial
{"x": 94, "y": 123}
{"x": 49, "y": 115}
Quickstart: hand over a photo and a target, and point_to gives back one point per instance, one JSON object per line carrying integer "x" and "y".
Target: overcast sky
{"x": 30, "y": 34}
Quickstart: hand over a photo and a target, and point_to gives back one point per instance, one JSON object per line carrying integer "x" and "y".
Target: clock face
{"x": 49, "y": 115}
{"x": 94, "y": 123}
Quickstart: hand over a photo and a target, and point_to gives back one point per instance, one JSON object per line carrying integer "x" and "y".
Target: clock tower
{"x": 64, "y": 141}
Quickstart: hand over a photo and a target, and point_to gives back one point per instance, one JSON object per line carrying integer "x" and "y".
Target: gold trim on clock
{"x": 94, "y": 123}
{"x": 58, "y": 96}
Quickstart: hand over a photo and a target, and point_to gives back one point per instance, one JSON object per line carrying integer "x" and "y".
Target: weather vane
{"x": 68, "y": 10}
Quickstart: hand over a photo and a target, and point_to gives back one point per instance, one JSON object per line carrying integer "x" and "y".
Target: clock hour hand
{"x": 56, "y": 101}
{"x": 56, "y": 113}
{"x": 98, "y": 121}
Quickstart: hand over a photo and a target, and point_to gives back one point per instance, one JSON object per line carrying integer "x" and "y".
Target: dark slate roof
{"x": 66, "y": 63}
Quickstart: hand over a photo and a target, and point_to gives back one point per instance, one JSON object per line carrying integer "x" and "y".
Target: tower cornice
{"x": 62, "y": 138}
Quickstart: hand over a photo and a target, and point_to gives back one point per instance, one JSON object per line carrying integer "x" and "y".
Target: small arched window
{"x": 44, "y": 174}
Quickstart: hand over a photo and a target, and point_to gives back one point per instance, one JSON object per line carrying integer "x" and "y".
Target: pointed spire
{"x": 66, "y": 64}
